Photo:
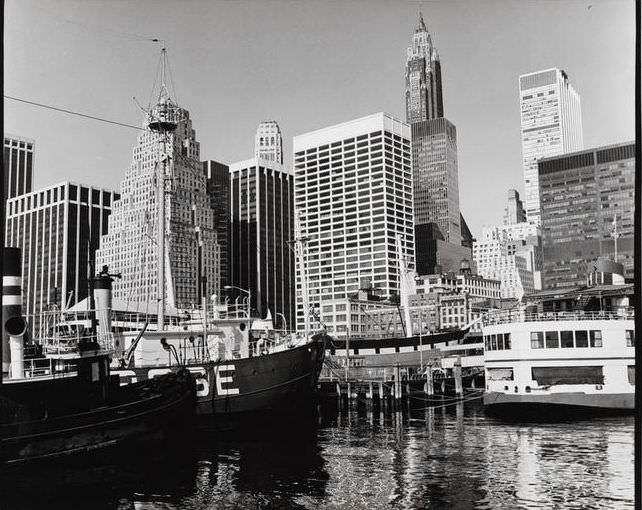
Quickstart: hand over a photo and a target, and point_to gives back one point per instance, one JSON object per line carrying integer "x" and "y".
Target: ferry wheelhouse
{"x": 563, "y": 349}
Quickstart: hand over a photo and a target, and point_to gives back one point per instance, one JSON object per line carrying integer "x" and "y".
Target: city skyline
{"x": 84, "y": 54}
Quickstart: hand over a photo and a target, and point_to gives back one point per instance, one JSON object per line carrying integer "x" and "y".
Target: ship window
{"x": 500, "y": 374}
{"x": 630, "y": 337}
{"x": 581, "y": 339}
{"x": 596, "y": 338}
{"x": 506, "y": 340}
{"x": 550, "y": 376}
{"x": 552, "y": 339}
{"x": 493, "y": 342}
{"x": 631, "y": 374}
{"x": 537, "y": 340}
{"x": 567, "y": 339}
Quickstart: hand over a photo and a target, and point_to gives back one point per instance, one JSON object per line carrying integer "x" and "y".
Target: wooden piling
{"x": 369, "y": 394}
{"x": 429, "y": 386}
{"x": 457, "y": 375}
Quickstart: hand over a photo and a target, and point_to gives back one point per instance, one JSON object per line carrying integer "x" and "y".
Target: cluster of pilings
{"x": 399, "y": 388}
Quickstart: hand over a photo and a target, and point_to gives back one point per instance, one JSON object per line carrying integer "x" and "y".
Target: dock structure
{"x": 393, "y": 384}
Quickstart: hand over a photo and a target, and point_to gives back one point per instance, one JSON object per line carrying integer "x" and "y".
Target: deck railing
{"x": 513, "y": 316}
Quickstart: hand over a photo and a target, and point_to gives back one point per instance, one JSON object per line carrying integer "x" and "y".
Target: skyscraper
{"x": 17, "y": 165}
{"x": 423, "y": 78}
{"x": 353, "y": 198}
{"x": 584, "y": 196}
{"x": 551, "y": 124}
{"x": 261, "y": 224}
{"x": 514, "y": 211}
{"x": 218, "y": 190}
{"x": 58, "y": 229}
{"x": 268, "y": 143}
{"x": 190, "y": 238}
{"x": 437, "y": 217}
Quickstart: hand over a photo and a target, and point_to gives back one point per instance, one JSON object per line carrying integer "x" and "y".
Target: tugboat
{"x": 64, "y": 404}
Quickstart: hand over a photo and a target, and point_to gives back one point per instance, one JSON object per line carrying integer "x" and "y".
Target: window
{"x": 596, "y": 338}
{"x": 552, "y": 339}
{"x": 550, "y": 376}
{"x": 506, "y": 340}
{"x": 631, "y": 372}
{"x": 500, "y": 374}
{"x": 630, "y": 338}
{"x": 581, "y": 339}
{"x": 537, "y": 340}
{"x": 567, "y": 339}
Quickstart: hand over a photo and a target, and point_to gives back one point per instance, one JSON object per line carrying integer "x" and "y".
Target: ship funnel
{"x": 15, "y": 326}
{"x": 11, "y": 298}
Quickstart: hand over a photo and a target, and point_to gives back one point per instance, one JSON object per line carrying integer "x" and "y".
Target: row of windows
{"x": 565, "y": 339}
{"x": 497, "y": 342}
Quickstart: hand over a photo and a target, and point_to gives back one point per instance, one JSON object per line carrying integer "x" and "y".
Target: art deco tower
{"x": 423, "y": 78}
{"x": 191, "y": 255}
{"x": 267, "y": 143}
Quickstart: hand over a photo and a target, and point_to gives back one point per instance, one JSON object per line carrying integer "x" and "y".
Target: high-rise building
{"x": 268, "y": 143}
{"x": 584, "y": 196}
{"x": 192, "y": 254}
{"x": 218, "y": 189}
{"x": 58, "y": 229}
{"x": 514, "y": 211}
{"x": 423, "y": 78}
{"x": 353, "y": 198}
{"x": 551, "y": 124}
{"x": 261, "y": 225}
{"x": 17, "y": 165}
{"x": 438, "y": 222}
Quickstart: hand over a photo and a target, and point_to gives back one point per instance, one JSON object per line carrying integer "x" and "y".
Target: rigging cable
{"x": 138, "y": 128}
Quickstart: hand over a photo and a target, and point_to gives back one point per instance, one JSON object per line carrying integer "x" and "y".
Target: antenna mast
{"x": 163, "y": 120}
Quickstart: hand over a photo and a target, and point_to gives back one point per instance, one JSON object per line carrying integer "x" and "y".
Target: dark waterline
{"x": 447, "y": 457}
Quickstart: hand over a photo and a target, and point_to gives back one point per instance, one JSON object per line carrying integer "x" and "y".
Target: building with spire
{"x": 191, "y": 254}
{"x": 268, "y": 143}
{"x": 438, "y": 222}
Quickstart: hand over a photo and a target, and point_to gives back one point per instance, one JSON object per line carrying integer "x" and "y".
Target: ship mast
{"x": 163, "y": 120}
{"x": 300, "y": 244}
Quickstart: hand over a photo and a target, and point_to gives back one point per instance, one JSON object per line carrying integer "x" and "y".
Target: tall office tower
{"x": 192, "y": 253}
{"x": 581, "y": 195}
{"x": 512, "y": 255}
{"x": 17, "y": 165}
{"x": 353, "y": 198}
{"x": 514, "y": 211}
{"x": 261, "y": 224}
{"x": 267, "y": 143}
{"x": 551, "y": 124}
{"x": 218, "y": 189}
{"x": 423, "y": 78}
{"x": 58, "y": 229}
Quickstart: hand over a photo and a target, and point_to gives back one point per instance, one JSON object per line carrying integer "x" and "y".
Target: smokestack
{"x": 11, "y": 298}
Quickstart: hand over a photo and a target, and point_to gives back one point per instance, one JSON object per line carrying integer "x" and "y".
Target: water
{"x": 448, "y": 457}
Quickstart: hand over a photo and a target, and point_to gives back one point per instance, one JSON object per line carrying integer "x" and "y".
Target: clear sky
{"x": 307, "y": 65}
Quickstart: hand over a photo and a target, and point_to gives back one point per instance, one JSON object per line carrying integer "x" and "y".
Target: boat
{"x": 64, "y": 403}
{"x": 563, "y": 351}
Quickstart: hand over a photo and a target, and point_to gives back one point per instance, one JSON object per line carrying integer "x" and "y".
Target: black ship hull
{"x": 257, "y": 384}
{"x": 137, "y": 415}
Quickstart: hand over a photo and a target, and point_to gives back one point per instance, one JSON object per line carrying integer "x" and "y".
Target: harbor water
{"x": 446, "y": 456}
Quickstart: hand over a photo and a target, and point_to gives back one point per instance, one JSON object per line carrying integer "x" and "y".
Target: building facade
{"x": 514, "y": 212}
{"x": 17, "y": 165}
{"x": 582, "y": 193}
{"x": 353, "y": 198}
{"x": 511, "y": 254}
{"x": 192, "y": 253}
{"x": 217, "y": 177}
{"x": 268, "y": 143}
{"x": 58, "y": 229}
{"x": 261, "y": 225}
{"x": 551, "y": 124}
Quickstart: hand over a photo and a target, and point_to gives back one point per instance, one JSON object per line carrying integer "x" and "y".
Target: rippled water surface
{"x": 454, "y": 457}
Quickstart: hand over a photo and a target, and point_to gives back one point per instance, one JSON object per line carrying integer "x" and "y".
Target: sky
{"x": 307, "y": 64}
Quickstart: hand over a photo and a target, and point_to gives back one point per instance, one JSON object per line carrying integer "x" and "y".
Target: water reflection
{"x": 366, "y": 458}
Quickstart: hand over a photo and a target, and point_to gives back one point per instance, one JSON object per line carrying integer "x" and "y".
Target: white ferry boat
{"x": 572, "y": 349}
